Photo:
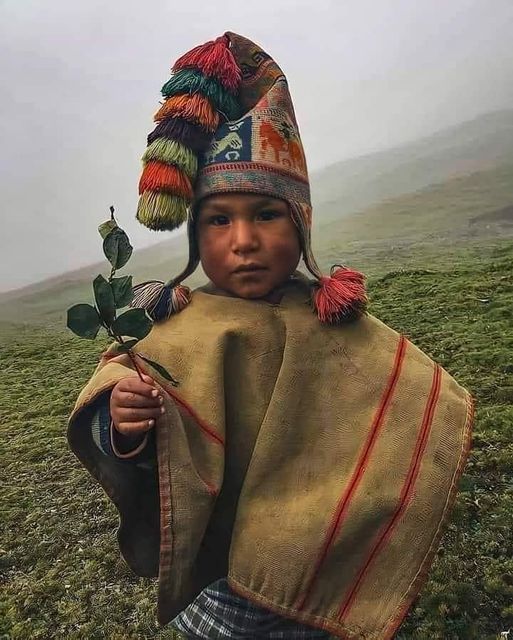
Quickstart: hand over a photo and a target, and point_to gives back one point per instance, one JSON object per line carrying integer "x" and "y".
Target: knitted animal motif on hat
{"x": 229, "y": 105}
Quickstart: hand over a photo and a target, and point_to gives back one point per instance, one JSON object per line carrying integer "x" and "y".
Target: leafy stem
{"x": 111, "y": 294}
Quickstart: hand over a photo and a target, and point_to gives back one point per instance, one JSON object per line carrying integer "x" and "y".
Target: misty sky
{"x": 81, "y": 81}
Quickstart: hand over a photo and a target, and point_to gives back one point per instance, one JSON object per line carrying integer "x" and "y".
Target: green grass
{"x": 62, "y": 576}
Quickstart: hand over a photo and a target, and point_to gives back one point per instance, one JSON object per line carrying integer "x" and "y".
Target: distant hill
{"x": 480, "y": 144}
{"x": 377, "y": 212}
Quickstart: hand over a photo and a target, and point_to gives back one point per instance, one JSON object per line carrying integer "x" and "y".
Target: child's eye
{"x": 269, "y": 215}
{"x": 217, "y": 220}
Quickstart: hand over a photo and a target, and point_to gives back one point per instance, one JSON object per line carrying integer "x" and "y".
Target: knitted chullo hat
{"x": 228, "y": 125}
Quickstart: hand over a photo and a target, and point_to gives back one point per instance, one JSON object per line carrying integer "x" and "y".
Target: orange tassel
{"x": 215, "y": 59}
{"x": 340, "y": 297}
{"x": 195, "y": 108}
{"x": 158, "y": 176}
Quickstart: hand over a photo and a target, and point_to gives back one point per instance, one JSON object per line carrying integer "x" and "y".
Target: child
{"x": 295, "y": 484}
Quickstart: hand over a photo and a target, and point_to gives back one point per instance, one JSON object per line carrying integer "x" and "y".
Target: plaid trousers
{"x": 218, "y": 613}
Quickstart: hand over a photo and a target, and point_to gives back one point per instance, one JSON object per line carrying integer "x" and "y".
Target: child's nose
{"x": 244, "y": 237}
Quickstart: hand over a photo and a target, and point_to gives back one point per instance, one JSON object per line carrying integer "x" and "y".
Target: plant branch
{"x": 132, "y": 357}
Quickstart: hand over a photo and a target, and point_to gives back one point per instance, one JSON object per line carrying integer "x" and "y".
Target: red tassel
{"x": 215, "y": 59}
{"x": 180, "y": 298}
{"x": 340, "y": 297}
{"x": 158, "y": 176}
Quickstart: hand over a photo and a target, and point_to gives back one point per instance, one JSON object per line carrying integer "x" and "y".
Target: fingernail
{"x": 151, "y": 422}
{"x": 154, "y": 393}
{"x": 161, "y": 399}
{"x": 162, "y": 410}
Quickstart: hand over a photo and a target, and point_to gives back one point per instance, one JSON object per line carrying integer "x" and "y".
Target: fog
{"x": 81, "y": 81}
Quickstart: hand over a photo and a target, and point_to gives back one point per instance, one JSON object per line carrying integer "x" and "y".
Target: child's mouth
{"x": 250, "y": 268}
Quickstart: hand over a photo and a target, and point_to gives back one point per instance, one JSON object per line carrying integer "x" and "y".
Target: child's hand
{"x": 134, "y": 405}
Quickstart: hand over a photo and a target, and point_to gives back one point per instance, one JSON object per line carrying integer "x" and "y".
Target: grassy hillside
{"x": 422, "y": 229}
{"x": 61, "y": 572}
{"x": 440, "y": 267}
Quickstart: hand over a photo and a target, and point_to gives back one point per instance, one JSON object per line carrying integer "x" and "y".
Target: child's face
{"x": 248, "y": 243}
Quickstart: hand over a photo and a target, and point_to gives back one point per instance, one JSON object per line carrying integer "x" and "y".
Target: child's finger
{"x": 151, "y": 382}
{"x": 129, "y": 399}
{"x": 137, "y": 386}
{"x": 138, "y": 415}
{"x": 135, "y": 428}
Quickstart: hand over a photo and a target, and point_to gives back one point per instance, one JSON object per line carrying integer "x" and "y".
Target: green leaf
{"x": 117, "y": 248}
{"x": 84, "y": 321}
{"x": 117, "y": 347}
{"x": 158, "y": 367}
{"x": 104, "y": 299}
{"x": 106, "y": 227}
{"x": 122, "y": 290}
{"x": 134, "y": 323}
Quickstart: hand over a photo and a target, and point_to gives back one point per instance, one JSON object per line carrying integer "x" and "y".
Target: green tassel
{"x": 172, "y": 152}
{"x": 193, "y": 81}
{"x": 161, "y": 211}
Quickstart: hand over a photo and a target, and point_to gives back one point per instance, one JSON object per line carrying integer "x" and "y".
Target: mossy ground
{"x": 62, "y": 576}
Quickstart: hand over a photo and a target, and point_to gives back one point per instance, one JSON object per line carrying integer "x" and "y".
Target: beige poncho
{"x": 313, "y": 465}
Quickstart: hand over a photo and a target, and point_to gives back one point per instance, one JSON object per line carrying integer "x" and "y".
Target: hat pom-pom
{"x": 159, "y": 300}
{"x": 341, "y": 296}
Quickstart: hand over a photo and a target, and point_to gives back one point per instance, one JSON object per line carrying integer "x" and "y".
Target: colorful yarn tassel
{"x": 194, "y": 81}
{"x": 190, "y": 135}
{"x": 213, "y": 58}
{"x": 196, "y": 108}
{"x": 160, "y": 300}
{"x": 158, "y": 176}
{"x": 340, "y": 297}
{"x": 172, "y": 152}
{"x": 161, "y": 211}
{"x": 200, "y": 92}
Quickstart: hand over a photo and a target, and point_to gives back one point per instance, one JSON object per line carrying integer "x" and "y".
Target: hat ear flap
{"x": 200, "y": 92}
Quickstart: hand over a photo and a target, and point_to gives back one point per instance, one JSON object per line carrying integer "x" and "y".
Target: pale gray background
{"x": 81, "y": 80}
